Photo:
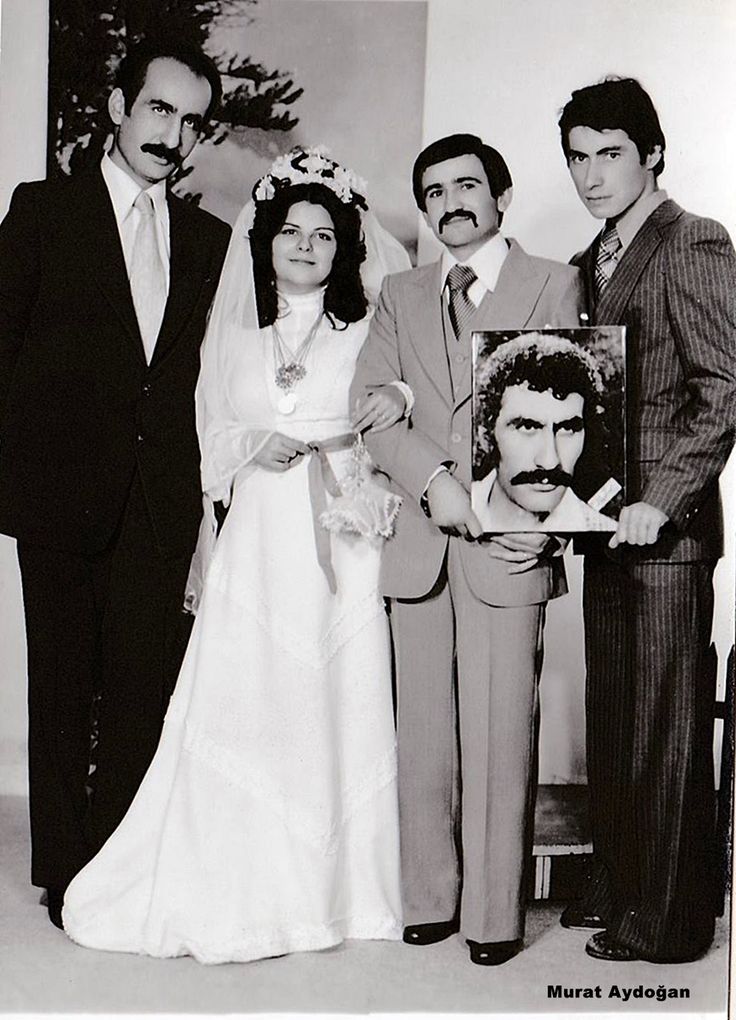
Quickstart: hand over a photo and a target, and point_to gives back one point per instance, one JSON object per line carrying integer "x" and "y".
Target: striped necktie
{"x": 461, "y": 307}
{"x": 147, "y": 276}
{"x": 607, "y": 258}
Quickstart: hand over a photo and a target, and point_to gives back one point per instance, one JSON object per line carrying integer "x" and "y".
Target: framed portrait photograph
{"x": 549, "y": 429}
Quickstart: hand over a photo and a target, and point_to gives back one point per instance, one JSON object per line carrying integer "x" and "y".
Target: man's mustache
{"x": 457, "y": 214}
{"x": 555, "y": 476}
{"x": 170, "y": 155}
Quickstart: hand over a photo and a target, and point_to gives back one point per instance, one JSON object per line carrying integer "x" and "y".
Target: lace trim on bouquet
{"x": 363, "y": 507}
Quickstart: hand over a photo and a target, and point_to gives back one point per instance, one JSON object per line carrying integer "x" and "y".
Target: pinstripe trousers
{"x": 651, "y": 674}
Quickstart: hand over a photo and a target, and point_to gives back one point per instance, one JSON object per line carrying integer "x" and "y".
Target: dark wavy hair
{"x": 561, "y": 372}
{"x": 132, "y": 71}
{"x": 345, "y": 299}
{"x": 615, "y": 104}
{"x": 498, "y": 174}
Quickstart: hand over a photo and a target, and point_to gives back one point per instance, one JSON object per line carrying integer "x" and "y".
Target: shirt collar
{"x": 124, "y": 190}
{"x": 486, "y": 262}
{"x": 633, "y": 219}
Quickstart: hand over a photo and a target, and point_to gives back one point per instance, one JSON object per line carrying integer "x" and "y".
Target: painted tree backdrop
{"x": 88, "y": 38}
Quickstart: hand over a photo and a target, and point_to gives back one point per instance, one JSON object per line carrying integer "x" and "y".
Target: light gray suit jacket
{"x": 406, "y": 341}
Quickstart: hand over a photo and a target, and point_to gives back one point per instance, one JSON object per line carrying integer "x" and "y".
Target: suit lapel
{"x": 511, "y": 305}
{"x": 426, "y": 330}
{"x": 635, "y": 259}
{"x": 586, "y": 264}
{"x": 100, "y": 245}
{"x": 187, "y": 272}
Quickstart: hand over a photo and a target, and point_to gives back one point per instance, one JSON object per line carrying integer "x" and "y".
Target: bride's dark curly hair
{"x": 345, "y": 299}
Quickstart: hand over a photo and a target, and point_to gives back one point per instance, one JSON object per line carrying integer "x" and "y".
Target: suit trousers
{"x": 110, "y": 625}
{"x": 467, "y": 679}
{"x": 651, "y": 676}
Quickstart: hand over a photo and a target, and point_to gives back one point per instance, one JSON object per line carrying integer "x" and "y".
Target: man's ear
{"x": 504, "y": 200}
{"x": 653, "y": 158}
{"x": 116, "y": 106}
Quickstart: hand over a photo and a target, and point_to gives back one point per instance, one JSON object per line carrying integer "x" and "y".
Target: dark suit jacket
{"x": 675, "y": 291}
{"x": 79, "y": 407}
{"x": 406, "y": 341}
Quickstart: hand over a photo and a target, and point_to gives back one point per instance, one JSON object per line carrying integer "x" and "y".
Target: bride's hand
{"x": 379, "y": 409}
{"x": 279, "y": 452}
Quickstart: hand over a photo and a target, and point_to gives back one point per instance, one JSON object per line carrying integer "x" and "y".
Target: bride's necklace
{"x": 289, "y": 369}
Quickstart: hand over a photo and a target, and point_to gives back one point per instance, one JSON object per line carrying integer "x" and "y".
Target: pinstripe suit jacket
{"x": 675, "y": 291}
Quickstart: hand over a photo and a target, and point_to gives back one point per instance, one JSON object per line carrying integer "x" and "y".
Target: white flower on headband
{"x": 316, "y": 163}
{"x": 310, "y": 166}
{"x": 265, "y": 189}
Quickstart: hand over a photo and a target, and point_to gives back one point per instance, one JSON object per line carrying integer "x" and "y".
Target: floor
{"x": 41, "y": 971}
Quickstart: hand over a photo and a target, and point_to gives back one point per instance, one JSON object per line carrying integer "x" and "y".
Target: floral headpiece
{"x": 311, "y": 166}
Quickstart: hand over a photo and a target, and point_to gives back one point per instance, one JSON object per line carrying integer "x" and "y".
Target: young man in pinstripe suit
{"x": 670, "y": 278}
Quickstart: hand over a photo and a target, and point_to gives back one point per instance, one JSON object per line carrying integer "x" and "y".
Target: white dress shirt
{"x": 486, "y": 263}
{"x": 123, "y": 192}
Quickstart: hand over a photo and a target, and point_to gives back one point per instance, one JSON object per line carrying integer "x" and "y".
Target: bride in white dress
{"x": 267, "y": 822}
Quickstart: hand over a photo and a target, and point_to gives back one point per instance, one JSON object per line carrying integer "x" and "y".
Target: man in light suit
{"x": 670, "y": 278}
{"x": 105, "y": 283}
{"x": 466, "y": 741}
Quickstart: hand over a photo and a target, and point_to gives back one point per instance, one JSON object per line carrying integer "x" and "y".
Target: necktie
{"x": 461, "y": 307}
{"x": 147, "y": 276}
{"x": 606, "y": 259}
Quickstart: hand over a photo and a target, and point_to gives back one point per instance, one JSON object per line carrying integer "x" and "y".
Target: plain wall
{"x": 23, "y": 85}
{"x": 502, "y": 70}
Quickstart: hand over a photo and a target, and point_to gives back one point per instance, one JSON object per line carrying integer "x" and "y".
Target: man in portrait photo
{"x": 537, "y": 406}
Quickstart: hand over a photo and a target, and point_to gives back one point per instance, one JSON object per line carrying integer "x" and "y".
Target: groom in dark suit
{"x": 670, "y": 278}
{"x": 105, "y": 283}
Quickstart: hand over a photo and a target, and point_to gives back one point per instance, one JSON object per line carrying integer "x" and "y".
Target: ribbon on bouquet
{"x": 322, "y": 480}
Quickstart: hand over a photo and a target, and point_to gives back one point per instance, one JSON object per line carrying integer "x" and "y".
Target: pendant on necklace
{"x": 289, "y": 375}
{"x": 286, "y": 404}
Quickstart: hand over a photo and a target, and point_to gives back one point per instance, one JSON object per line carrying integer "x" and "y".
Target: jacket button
{"x": 139, "y": 438}
{"x": 147, "y": 389}
{"x": 456, "y": 437}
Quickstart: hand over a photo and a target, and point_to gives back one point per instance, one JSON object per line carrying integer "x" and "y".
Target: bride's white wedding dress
{"x": 267, "y": 822}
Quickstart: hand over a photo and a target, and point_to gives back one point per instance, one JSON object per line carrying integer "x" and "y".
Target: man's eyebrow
{"x": 455, "y": 180}
{"x": 575, "y": 423}
{"x": 521, "y": 422}
{"x": 161, "y": 102}
{"x": 598, "y": 152}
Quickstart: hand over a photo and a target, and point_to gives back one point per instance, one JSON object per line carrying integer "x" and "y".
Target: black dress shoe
{"x": 574, "y": 916}
{"x": 54, "y": 903}
{"x": 491, "y": 954}
{"x": 604, "y": 946}
{"x": 427, "y": 934}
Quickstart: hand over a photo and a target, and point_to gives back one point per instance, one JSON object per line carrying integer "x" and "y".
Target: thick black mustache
{"x": 555, "y": 476}
{"x": 170, "y": 155}
{"x": 457, "y": 214}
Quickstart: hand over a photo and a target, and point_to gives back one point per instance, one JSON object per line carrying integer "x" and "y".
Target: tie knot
{"x": 144, "y": 204}
{"x": 610, "y": 241}
{"x": 460, "y": 278}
